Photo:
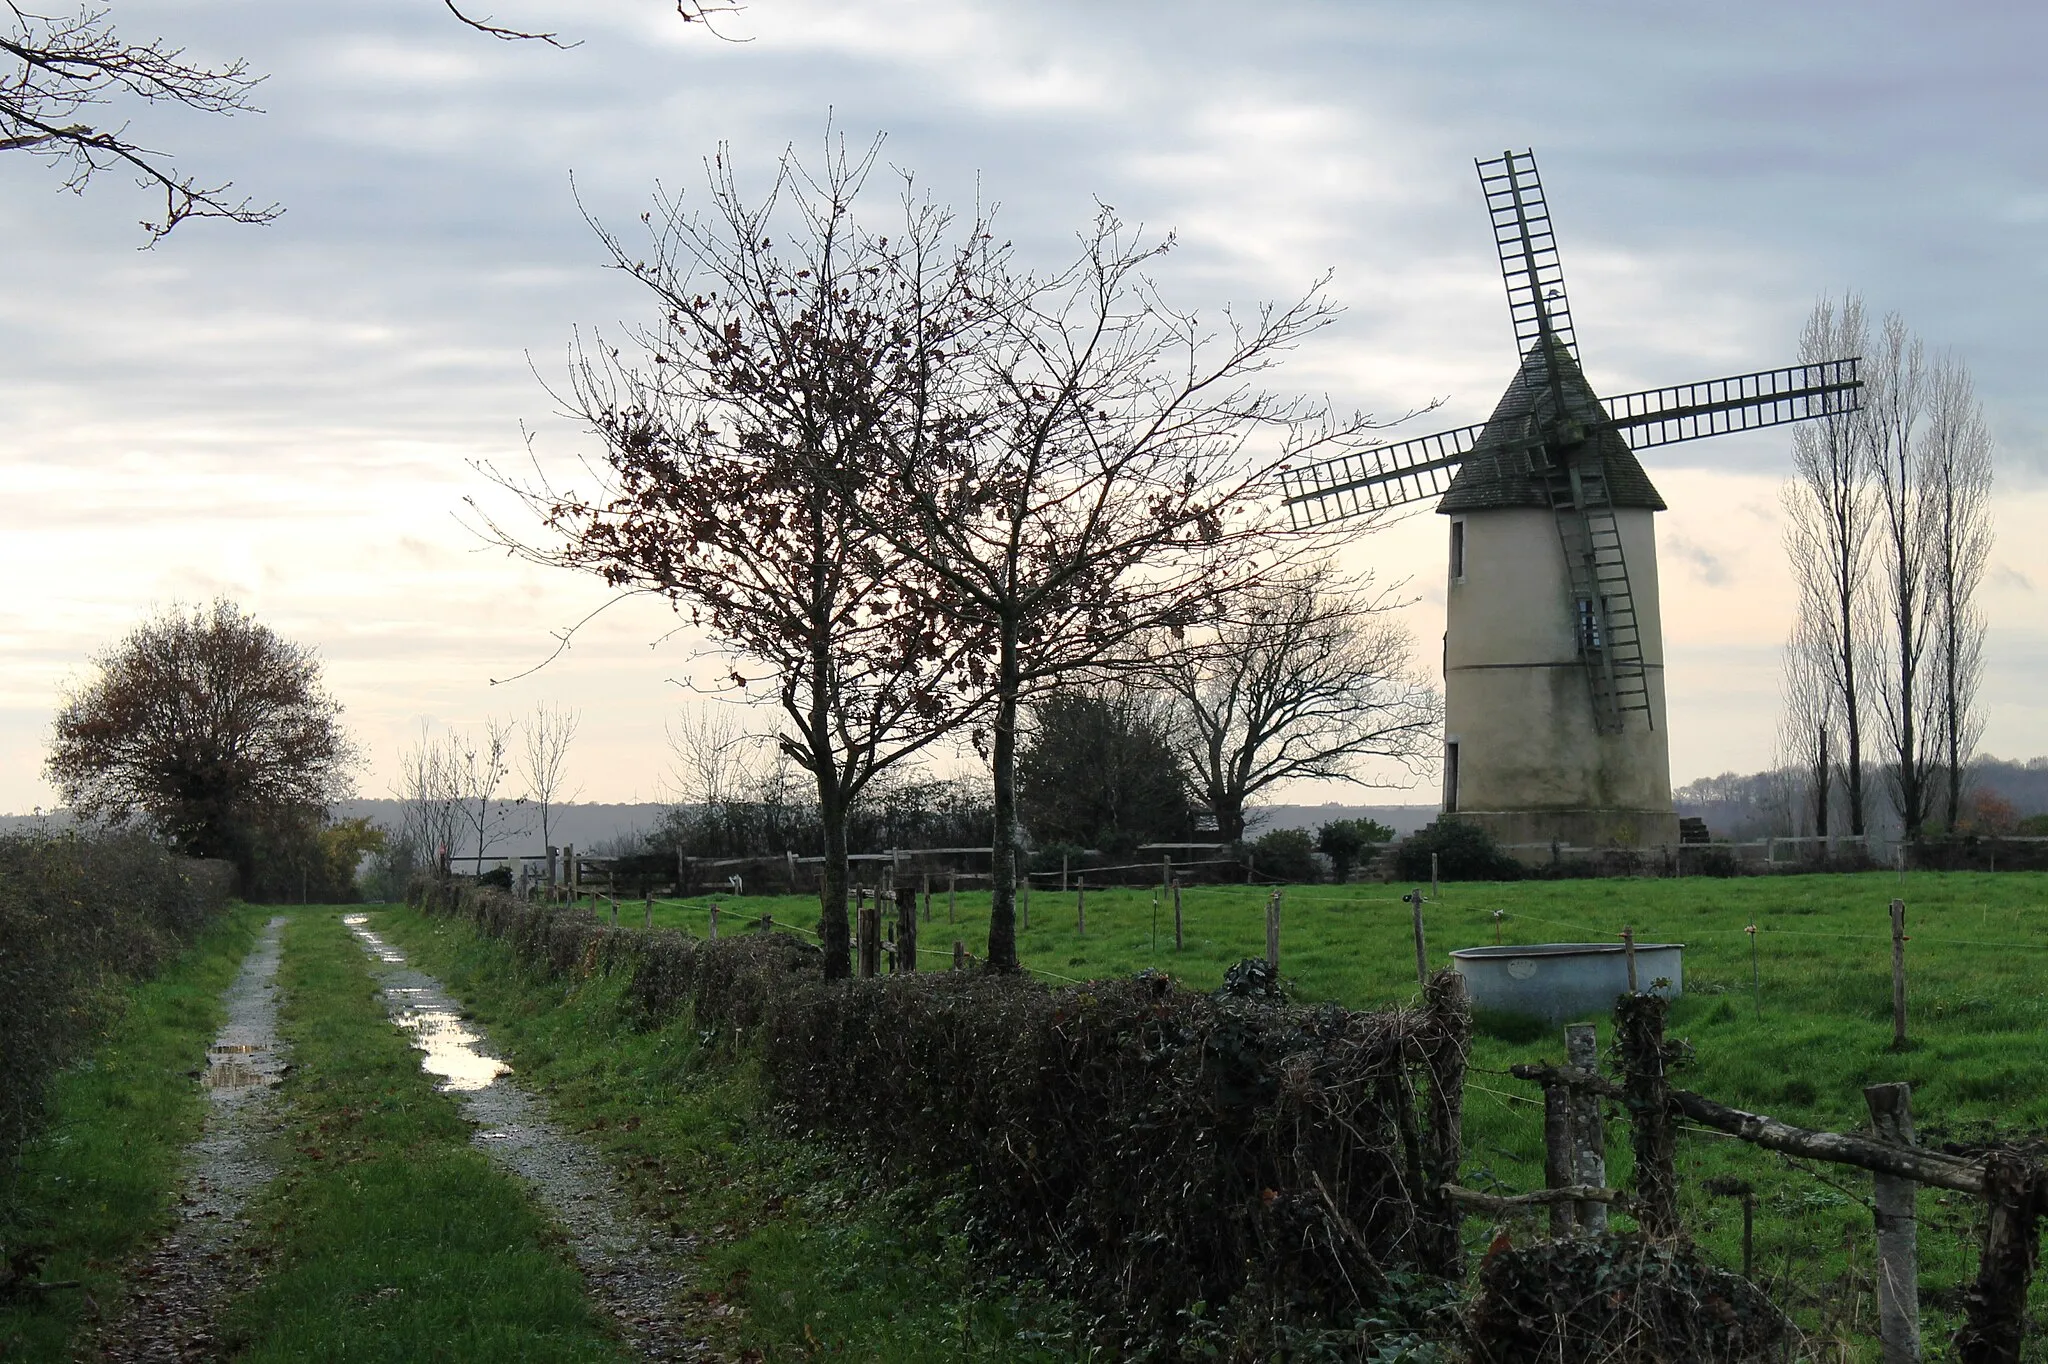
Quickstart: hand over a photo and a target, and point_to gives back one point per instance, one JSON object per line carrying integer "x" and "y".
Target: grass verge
{"x": 390, "y": 1236}
{"x": 800, "y": 1254}
{"x": 96, "y": 1184}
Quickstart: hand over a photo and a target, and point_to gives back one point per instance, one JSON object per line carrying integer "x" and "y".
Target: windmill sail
{"x": 1389, "y": 476}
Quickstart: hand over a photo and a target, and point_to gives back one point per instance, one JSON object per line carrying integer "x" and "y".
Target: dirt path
{"x": 174, "y": 1292}
{"x": 634, "y": 1271}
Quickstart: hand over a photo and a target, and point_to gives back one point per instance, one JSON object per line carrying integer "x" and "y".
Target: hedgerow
{"x": 1162, "y": 1156}
{"x": 80, "y": 918}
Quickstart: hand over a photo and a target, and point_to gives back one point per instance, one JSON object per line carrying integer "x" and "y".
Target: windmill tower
{"x": 1554, "y": 719}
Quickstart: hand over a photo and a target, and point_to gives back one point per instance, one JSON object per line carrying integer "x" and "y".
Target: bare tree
{"x": 430, "y": 794}
{"x": 1957, "y": 469}
{"x": 795, "y": 345}
{"x": 1303, "y": 679}
{"x": 1810, "y": 722}
{"x": 544, "y": 761}
{"x": 711, "y": 753}
{"x": 1830, "y": 520}
{"x": 485, "y": 763}
{"x": 1909, "y": 710}
{"x": 1100, "y": 479}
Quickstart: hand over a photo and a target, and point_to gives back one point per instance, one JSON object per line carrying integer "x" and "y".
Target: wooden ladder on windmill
{"x": 1609, "y": 637}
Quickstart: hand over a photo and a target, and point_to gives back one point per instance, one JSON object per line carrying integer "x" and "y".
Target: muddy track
{"x": 174, "y": 1293}
{"x": 634, "y": 1271}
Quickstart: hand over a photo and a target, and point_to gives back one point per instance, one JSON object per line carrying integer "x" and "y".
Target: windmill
{"x": 1553, "y": 644}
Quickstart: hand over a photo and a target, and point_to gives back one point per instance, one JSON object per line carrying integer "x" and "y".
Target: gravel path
{"x": 174, "y": 1292}
{"x": 633, "y": 1270}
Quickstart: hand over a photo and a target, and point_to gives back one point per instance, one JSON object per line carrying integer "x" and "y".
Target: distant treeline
{"x": 2002, "y": 796}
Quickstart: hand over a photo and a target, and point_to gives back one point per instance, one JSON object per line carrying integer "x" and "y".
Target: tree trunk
{"x": 1229, "y": 818}
{"x": 1002, "y": 910}
{"x": 834, "y": 932}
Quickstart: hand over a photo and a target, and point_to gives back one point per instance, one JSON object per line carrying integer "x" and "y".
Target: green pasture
{"x": 1800, "y": 1045}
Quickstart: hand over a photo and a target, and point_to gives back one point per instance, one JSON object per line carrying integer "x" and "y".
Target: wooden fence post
{"x": 649, "y": 921}
{"x": 1063, "y": 873}
{"x": 714, "y": 923}
{"x": 1414, "y": 899}
{"x": 906, "y": 928}
{"x": 1898, "y": 1259}
{"x": 1081, "y": 905}
{"x": 1628, "y": 952}
{"x": 959, "y": 955}
{"x": 1560, "y": 1153}
{"x": 1450, "y": 1041}
{"x": 1589, "y": 1129}
{"x": 868, "y": 936}
{"x": 952, "y": 897}
{"x": 1646, "y": 1092}
{"x": 1995, "y": 1306}
{"x": 615, "y": 910}
{"x": 927, "y": 897}
{"x": 1176, "y": 916}
{"x": 1435, "y": 891}
{"x": 1023, "y": 897}
{"x": 572, "y": 872}
{"x": 1273, "y": 932}
{"x": 1899, "y": 1042}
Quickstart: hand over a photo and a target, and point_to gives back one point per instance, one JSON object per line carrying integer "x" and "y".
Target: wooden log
{"x": 1916, "y": 1163}
{"x": 1639, "y": 1028}
{"x": 1589, "y": 1129}
{"x": 1567, "y": 1195}
{"x": 906, "y": 929}
{"x": 1899, "y": 1042}
{"x": 1898, "y": 1256}
{"x": 1995, "y": 1305}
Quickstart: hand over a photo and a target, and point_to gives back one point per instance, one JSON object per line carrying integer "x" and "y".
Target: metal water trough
{"x": 1562, "y": 982}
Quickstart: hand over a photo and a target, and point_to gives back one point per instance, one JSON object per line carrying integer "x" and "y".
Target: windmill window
{"x": 1451, "y": 777}
{"x": 1588, "y": 624}
{"x": 1458, "y": 550}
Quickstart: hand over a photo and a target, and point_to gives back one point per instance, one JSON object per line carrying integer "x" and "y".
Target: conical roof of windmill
{"x": 1500, "y": 471}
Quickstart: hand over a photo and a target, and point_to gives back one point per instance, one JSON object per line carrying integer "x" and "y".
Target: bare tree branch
{"x": 65, "y": 66}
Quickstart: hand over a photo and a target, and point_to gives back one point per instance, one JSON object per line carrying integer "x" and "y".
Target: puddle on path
{"x": 194, "y": 1269}
{"x": 633, "y": 1270}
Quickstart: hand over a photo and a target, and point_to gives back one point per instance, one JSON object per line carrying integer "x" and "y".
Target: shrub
{"x": 1620, "y": 1299}
{"x": 1287, "y": 855}
{"x": 81, "y": 917}
{"x": 1464, "y": 852}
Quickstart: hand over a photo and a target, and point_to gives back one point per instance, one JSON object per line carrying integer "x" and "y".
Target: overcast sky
{"x": 287, "y": 415}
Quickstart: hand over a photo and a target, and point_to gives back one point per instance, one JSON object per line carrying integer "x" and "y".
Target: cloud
{"x": 292, "y": 412}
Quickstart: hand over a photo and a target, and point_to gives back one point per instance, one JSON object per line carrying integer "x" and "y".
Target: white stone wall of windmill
{"x": 1555, "y": 726}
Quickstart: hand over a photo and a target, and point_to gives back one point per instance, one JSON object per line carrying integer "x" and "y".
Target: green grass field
{"x": 1801, "y": 1047}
